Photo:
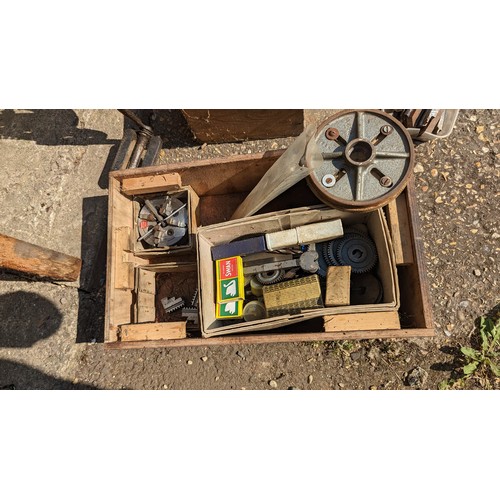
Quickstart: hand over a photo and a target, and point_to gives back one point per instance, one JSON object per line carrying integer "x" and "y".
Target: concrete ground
{"x": 53, "y": 185}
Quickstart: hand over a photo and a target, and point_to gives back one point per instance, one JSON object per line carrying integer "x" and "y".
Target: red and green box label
{"x": 230, "y": 281}
{"x": 229, "y": 310}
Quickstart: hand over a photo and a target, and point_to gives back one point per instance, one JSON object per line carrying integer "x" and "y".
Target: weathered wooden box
{"x": 221, "y": 185}
{"x": 234, "y": 125}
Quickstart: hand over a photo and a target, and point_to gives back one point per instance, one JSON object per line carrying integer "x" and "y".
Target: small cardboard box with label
{"x": 230, "y": 288}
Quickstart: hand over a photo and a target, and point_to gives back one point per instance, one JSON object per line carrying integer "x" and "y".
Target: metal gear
{"x": 270, "y": 277}
{"x": 357, "y": 251}
{"x": 366, "y": 289}
{"x": 323, "y": 264}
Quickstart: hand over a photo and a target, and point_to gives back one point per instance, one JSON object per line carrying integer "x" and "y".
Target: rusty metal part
{"x": 138, "y": 147}
{"x": 371, "y": 160}
{"x": 332, "y": 134}
{"x": 366, "y": 289}
{"x": 270, "y": 277}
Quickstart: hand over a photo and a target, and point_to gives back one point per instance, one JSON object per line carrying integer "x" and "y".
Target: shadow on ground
{"x": 27, "y": 318}
{"x": 48, "y": 127}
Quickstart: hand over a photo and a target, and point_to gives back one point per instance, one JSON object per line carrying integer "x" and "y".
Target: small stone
{"x": 425, "y": 189}
{"x": 407, "y": 360}
{"x": 485, "y": 150}
{"x": 204, "y": 358}
{"x": 477, "y": 272}
{"x": 310, "y": 379}
{"x": 165, "y": 386}
{"x": 464, "y": 303}
{"x": 479, "y": 129}
{"x": 461, "y": 315}
{"x": 417, "y": 377}
{"x": 473, "y": 118}
{"x": 439, "y": 199}
{"x": 76, "y": 381}
{"x": 468, "y": 186}
{"x": 434, "y": 172}
{"x": 189, "y": 362}
{"x": 341, "y": 385}
{"x": 474, "y": 231}
{"x": 241, "y": 355}
{"x": 63, "y": 301}
{"x": 217, "y": 378}
{"x": 273, "y": 384}
{"x": 373, "y": 388}
{"x": 356, "y": 356}
{"x": 419, "y": 168}
{"x": 495, "y": 236}
{"x": 274, "y": 145}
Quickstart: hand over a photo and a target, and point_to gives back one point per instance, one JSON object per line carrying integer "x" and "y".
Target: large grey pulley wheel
{"x": 361, "y": 160}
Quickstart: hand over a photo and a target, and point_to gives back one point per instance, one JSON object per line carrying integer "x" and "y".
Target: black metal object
{"x": 138, "y": 148}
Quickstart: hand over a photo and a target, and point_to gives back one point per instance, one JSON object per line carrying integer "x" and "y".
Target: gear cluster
{"x": 355, "y": 249}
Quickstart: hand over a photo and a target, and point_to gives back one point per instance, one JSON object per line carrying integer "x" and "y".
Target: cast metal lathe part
{"x": 270, "y": 277}
{"x": 370, "y": 160}
{"x": 172, "y": 304}
{"x": 190, "y": 314}
{"x": 137, "y": 145}
{"x": 164, "y": 230}
{"x": 365, "y": 289}
{"x": 307, "y": 261}
{"x": 357, "y": 251}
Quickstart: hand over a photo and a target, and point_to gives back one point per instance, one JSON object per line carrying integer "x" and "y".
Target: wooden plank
{"x": 233, "y": 125}
{"x": 124, "y": 271}
{"x": 415, "y": 306}
{"x": 270, "y": 338}
{"x": 152, "y": 331}
{"x": 151, "y": 184}
{"x": 387, "y": 320}
{"x": 23, "y": 257}
{"x": 399, "y": 225}
{"x": 232, "y": 174}
{"x": 338, "y": 286}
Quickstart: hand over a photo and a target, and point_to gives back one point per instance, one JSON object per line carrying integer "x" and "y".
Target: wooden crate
{"x": 221, "y": 185}
{"x": 234, "y": 125}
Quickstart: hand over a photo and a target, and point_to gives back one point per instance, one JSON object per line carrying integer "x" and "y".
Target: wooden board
{"x": 151, "y": 184}
{"x": 387, "y": 320}
{"x": 152, "y": 331}
{"x": 399, "y": 225}
{"x": 274, "y": 338}
{"x": 234, "y": 125}
{"x": 338, "y": 286}
{"x": 23, "y": 257}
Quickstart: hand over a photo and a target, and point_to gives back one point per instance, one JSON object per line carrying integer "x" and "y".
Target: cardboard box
{"x": 222, "y": 233}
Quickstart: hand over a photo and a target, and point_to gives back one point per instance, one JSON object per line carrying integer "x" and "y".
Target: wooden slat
{"x": 387, "y": 320}
{"x": 232, "y": 174}
{"x": 415, "y": 297}
{"x": 399, "y": 225}
{"x": 338, "y": 286}
{"x": 232, "y": 125}
{"x": 23, "y": 257}
{"x": 124, "y": 271}
{"x": 151, "y": 184}
{"x": 152, "y": 331}
{"x": 269, "y": 338}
